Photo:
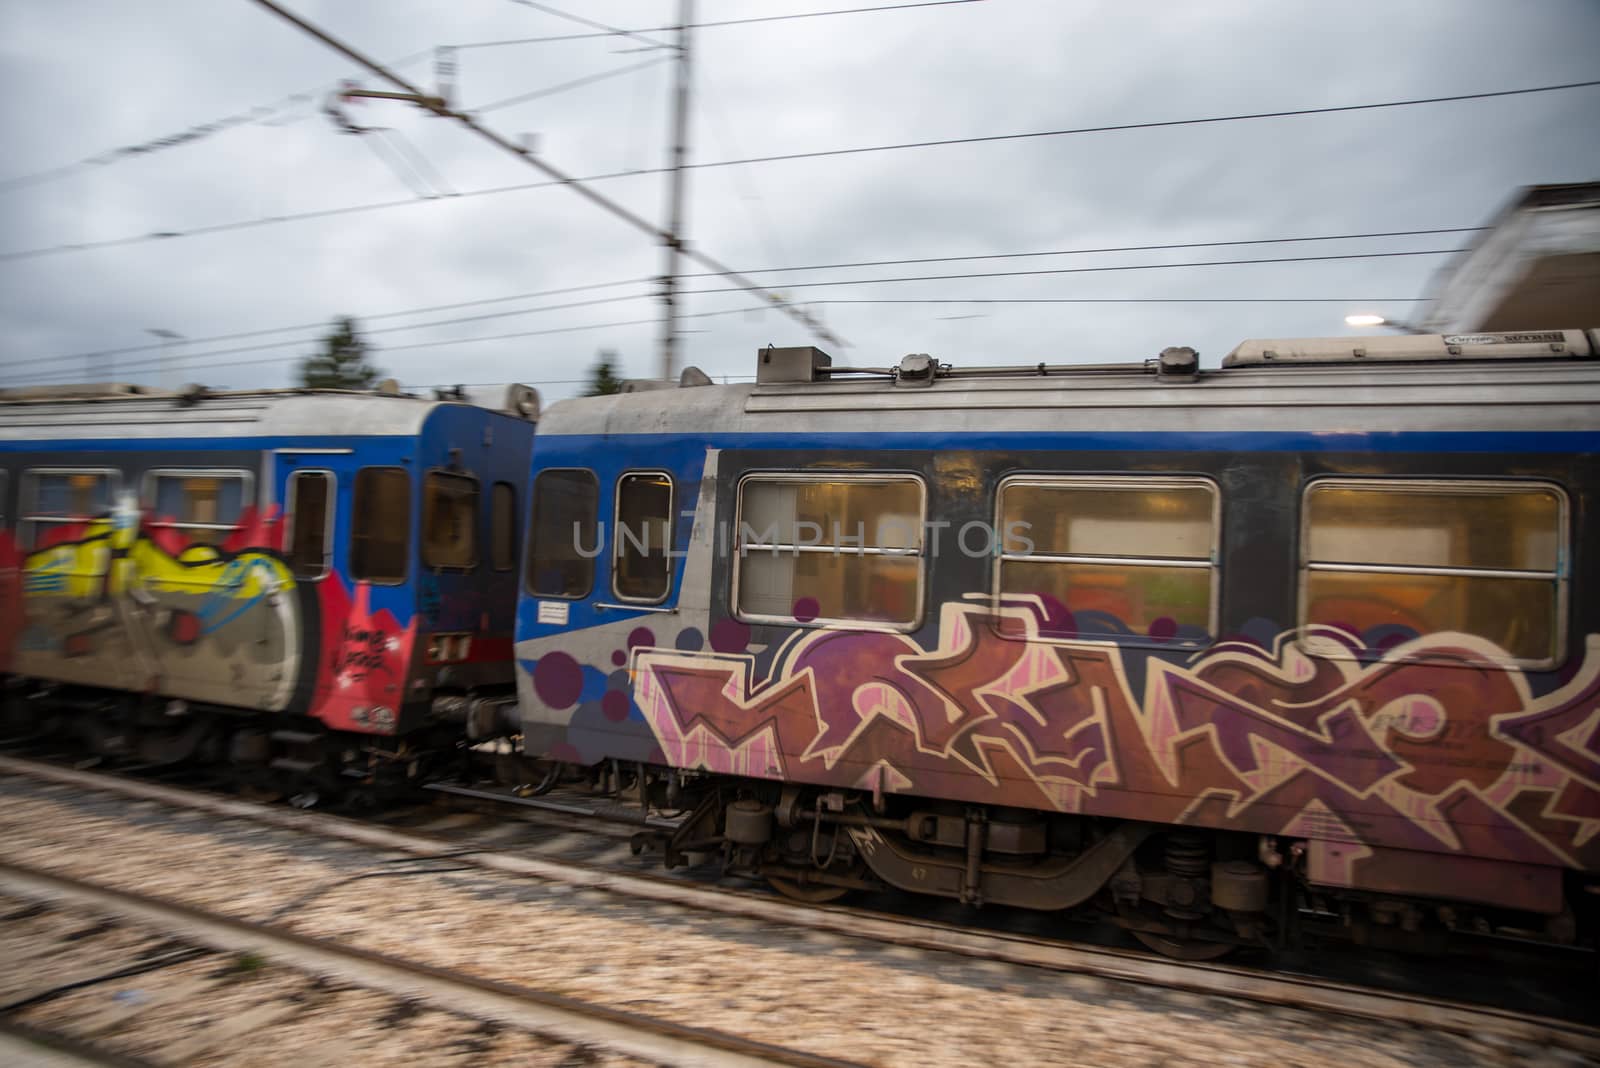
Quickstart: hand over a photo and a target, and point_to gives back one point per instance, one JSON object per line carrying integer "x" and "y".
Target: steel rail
{"x": 51, "y": 1048}
{"x": 1219, "y": 980}
{"x": 557, "y": 1016}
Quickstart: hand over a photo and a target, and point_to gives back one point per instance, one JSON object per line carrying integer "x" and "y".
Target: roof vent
{"x": 1177, "y": 361}
{"x": 801, "y": 363}
{"x": 693, "y": 376}
{"x": 522, "y": 401}
{"x": 917, "y": 369}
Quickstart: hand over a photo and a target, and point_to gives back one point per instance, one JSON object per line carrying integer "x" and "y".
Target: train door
{"x": 314, "y": 489}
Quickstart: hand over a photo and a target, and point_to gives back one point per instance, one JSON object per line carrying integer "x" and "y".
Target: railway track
{"x": 1299, "y": 992}
{"x": 553, "y": 1017}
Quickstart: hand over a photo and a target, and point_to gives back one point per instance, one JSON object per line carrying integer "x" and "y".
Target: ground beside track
{"x": 808, "y": 990}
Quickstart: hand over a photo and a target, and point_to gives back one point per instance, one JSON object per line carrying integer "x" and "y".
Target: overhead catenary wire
{"x": 260, "y": 112}
{"x": 197, "y": 132}
{"x": 534, "y": 294}
{"x": 1091, "y": 270}
{"x": 576, "y": 83}
{"x": 23, "y": 254}
{"x": 442, "y": 109}
{"x": 104, "y": 353}
{"x": 154, "y": 363}
{"x": 46, "y": 378}
{"x": 607, "y": 31}
{"x": 322, "y": 323}
{"x": 1170, "y": 246}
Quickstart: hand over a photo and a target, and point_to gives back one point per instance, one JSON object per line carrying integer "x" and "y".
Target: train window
{"x": 205, "y": 505}
{"x": 1388, "y": 559}
{"x": 51, "y": 499}
{"x": 830, "y": 548}
{"x": 5, "y": 483}
{"x": 1112, "y": 557}
{"x": 641, "y": 537}
{"x": 310, "y": 521}
{"x": 380, "y": 536}
{"x": 449, "y": 521}
{"x": 563, "y": 540}
{"x": 503, "y": 527}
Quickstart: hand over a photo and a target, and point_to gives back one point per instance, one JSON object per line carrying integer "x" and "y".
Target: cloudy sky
{"x": 431, "y": 224}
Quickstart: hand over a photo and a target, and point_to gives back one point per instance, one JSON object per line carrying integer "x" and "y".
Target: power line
{"x": 610, "y": 32}
{"x": 238, "y": 336}
{"x": 45, "y": 379}
{"x": 1113, "y": 248}
{"x": 197, "y": 132}
{"x": 1112, "y": 128}
{"x": 23, "y": 254}
{"x": 1120, "y": 300}
{"x": 38, "y": 379}
{"x": 439, "y": 107}
{"x": 1094, "y": 270}
{"x": 322, "y": 324}
{"x": 576, "y": 83}
{"x": 149, "y": 364}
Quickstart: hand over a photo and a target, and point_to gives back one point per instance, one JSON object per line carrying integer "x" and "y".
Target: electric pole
{"x": 439, "y": 106}
{"x": 672, "y": 243}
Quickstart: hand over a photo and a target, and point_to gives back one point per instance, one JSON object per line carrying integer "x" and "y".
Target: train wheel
{"x": 1184, "y": 948}
{"x": 810, "y": 893}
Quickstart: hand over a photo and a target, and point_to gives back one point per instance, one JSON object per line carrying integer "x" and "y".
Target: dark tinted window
{"x": 310, "y": 508}
{"x": 641, "y": 537}
{"x": 449, "y": 520}
{"x": 564, "y": 540}
{"x": 503, "y": 527}
{"x": 380, "y": 525}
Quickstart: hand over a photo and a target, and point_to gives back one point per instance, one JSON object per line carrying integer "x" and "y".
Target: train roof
{"x": 1546, "y": 380}
{"x": 119, "y": 411}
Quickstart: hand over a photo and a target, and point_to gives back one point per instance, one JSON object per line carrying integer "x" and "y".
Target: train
{"x": 1304, "y": 645}
{"x": 294, "y": 584}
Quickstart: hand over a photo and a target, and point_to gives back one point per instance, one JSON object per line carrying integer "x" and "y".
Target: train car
{"x": 1307, "y": 642}
{"x": 304, "y": 582}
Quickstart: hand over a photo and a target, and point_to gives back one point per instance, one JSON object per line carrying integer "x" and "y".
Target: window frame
{"x": 511, "y": 515}
{"x": 1131, "y": 482}
{"x": 328, "y": 522}
{"x": 355, "y": 518}
{"x": 919, "y": 553}
{"x": 477, "y": 522}
{"x": 28, "y": 499}
{"x": 147, "y": 493}
{"x": 616, "y": 532}
{"x": 533, "y": 526}
{"x": 1401, "y": 484}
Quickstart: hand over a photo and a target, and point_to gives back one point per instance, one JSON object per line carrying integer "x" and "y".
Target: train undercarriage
{"x": 1190, "y": 893}
{"x": 294, "y": 758}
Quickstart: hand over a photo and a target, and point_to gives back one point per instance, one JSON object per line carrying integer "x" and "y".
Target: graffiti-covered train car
{"x": 1312, "y": 635}
{"x": 259, "y": 576}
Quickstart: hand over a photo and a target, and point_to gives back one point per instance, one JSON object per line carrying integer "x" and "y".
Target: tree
{"x": 603, "y": 378}
{"x": 342, "y": 363}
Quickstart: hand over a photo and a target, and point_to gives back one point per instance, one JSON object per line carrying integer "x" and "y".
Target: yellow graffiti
{"x": 85, "y": 569}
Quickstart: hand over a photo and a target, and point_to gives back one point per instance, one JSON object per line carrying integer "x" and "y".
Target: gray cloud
{"x": 77, "y": 78}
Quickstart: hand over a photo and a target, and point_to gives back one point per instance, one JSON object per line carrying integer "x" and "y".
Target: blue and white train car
{"x": 265, "y": 574}
{"x": 1037, "y": 635}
